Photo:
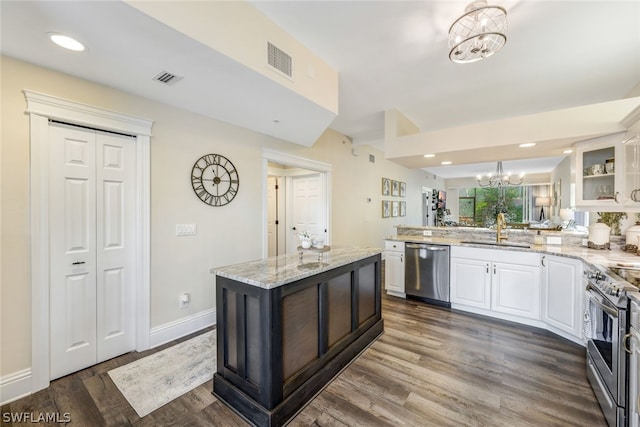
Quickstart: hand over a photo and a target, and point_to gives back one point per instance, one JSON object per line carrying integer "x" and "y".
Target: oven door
{"x": 603, "y": 346}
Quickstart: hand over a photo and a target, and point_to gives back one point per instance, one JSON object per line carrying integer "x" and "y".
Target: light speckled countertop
{"x": 272, "y": 272}
{"x": 603, "y": 258}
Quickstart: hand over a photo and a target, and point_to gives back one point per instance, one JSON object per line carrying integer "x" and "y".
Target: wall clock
{"x": 215, "y": 180}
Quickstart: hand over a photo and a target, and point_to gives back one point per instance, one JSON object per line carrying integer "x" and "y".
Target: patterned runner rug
{"x": 156, "y": 380}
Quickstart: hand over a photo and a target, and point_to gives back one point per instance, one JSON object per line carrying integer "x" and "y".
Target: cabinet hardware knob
{"x": 77, "y": 263}
{"x": 625, "y": 340}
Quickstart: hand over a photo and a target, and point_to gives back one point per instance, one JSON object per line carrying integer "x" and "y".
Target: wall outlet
{"x": 585, "y": 242}
{"x": 185, "y": 229}
{"x": 554, "y": 240}
{"x": 184, "y": 300}
{"x": 426, "y": 233}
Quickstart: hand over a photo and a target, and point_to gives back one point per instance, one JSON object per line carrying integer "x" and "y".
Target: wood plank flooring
{"x": 432, "y": 367}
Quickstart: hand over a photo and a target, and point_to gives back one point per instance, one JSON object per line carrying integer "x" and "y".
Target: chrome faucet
{"x": 501, "y": 224}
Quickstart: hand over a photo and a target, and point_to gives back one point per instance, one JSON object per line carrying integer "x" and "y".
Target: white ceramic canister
{"x": 632, "y": 234}
{"x": 599, "y": 233}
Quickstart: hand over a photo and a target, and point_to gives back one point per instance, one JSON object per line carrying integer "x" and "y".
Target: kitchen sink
{"x": 501, "y": 244}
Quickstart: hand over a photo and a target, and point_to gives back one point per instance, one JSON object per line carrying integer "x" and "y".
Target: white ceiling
{"x": 389, "y": 55}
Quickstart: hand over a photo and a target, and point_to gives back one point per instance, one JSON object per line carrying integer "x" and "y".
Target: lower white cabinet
{"x": 394, "y": 268}
{"x": 562, "y": 294}
{"x": 471, "y": 282}
{"x": 511, "y": 287}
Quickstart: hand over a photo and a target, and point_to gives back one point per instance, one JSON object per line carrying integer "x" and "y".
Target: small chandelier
{"x": 499, "y": 179}
{"x": 479, "y": 33}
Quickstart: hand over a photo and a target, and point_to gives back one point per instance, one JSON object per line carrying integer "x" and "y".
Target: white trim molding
{"x": 179, "y": 328}
{"x": 42, "y": 108}
{"x": 269, "y": 155}
{"x": 15, "y": 386}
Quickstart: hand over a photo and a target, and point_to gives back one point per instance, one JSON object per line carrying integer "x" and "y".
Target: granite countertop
{"x": 604, "y": 258}
{"x": 272, "y": 272}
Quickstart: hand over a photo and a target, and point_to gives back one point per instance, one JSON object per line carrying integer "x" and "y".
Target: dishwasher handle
{"x": 429, "y": 248}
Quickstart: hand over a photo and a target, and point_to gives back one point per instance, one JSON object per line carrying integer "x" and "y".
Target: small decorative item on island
{"x": 305, "y": 239}
{"x": 599, "y": 233}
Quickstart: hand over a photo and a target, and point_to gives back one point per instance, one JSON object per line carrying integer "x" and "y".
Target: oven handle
{"x": 606, "y": 309}
{"x": 625, "y": 340}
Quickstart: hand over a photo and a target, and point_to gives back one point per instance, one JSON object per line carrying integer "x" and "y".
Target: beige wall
{"x": 225, "y": 235}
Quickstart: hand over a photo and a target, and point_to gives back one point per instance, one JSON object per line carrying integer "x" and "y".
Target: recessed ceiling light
{"x": 568, "y": 151}
{"x": 429, "y": 155}
{"x": 445, "y": 162}
{"x": 67, "y": 42}
{"x": 527, "y": 144}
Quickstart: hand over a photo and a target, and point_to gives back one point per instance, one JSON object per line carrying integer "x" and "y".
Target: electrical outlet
{"x": 426, "y": 233}
{"x": 184, "y": 300}
{"x": 554, "y": 240}
{"x": 185, "y": 229}
{"x": 585, "y": 242}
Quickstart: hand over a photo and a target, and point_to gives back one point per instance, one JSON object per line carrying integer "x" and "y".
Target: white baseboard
{"x": 187, "y": 325}
{"x": 14, "y": 386}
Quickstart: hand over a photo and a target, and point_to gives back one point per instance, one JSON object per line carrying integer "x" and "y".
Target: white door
{"x": 91, "y": 212}
{"x": 307, "y": 208}
{"x": 272, "y": 215}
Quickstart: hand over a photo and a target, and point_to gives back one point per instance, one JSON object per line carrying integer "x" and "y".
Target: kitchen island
{"x": 287, "y": 325}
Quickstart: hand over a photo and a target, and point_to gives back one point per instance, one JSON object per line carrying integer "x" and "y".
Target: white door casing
{"x": 42, "y": 108}
{"x": 272, "y": 215}
{"x": 300, "y": 162}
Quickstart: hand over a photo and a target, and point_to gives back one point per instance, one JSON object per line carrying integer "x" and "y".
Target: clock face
{"x": 215, "y": 180}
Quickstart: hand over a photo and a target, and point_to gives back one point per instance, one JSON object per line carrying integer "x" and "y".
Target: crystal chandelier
{"x": 479, "y": 33}
{"x": 499, "y": 179}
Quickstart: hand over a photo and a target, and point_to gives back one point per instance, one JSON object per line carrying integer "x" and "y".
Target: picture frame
{"x": 386, "y": 209}
{"x": 403, "y": 189}
{"x": 395, "y": 188}
{"x": 386, "y": 187}
{"x": 403, "y": 208}
{"x": 394, "y": 208}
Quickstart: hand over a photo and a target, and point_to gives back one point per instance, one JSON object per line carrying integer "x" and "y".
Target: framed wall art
{"x": 386, "y": 187}
{"x": 386, "y": 209}
{"x": 403, "y": 208}
{"x": 394, "y": 208}
{"x": 395, "y": 188}
{"x": 403, "y": 189}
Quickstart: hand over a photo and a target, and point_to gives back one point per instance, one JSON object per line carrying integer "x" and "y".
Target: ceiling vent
{"x": 279, "y": 59}
{"x": 166, "y": 78}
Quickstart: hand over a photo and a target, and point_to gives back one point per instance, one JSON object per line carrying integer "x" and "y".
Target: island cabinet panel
{"x": 299, "y": 330}
{"x": 339, "y": 307}
{"x": 279, "y": 346}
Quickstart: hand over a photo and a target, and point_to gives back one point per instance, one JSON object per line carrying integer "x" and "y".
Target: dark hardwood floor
{"x": 432, "y": 367}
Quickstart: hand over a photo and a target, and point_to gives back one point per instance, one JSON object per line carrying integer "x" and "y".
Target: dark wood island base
{"x": 278, "y": 346}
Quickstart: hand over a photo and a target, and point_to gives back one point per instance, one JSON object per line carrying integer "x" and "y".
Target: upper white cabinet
{"x": 607, "y": 173}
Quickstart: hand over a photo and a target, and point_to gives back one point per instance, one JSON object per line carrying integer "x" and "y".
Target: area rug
{"x": 156, "y": 380}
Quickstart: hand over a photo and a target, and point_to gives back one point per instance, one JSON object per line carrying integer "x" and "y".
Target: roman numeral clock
{"x": 215, "y": 180}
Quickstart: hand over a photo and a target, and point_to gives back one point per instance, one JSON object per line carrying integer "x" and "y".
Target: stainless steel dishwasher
{"x": 426, "y": 273}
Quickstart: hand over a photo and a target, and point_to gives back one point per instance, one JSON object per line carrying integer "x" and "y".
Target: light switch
{"x": 554, "y": 240}
{"x": 185, "y": 229}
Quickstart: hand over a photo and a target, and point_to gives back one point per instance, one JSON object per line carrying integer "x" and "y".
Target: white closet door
{"x": 72, "y": 227}
{"x": 92, "y": 257}
{"x": 115, "y": 201}
{"x": 308, "y": 207}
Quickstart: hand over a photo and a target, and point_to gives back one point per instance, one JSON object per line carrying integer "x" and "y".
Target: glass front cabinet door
{"x": 600, "y": 173}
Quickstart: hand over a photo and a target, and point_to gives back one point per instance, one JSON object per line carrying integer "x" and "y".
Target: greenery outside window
{"x": 478, "y": 206}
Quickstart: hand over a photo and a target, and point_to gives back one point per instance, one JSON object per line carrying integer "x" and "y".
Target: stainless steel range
{"x": 606, "y": 327}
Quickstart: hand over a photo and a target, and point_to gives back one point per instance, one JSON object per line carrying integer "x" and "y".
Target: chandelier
{"x": 479, "y": 33}
{"x": 499, "y": 179}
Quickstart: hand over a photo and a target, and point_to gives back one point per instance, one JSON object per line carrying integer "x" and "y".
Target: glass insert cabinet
{"x": 608, "y": 173}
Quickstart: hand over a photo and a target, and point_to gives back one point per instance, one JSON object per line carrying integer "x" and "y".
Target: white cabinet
{"x": 511, "y": 286}
{"x": 470, "y": 282}
{"x": 515, "y": 290}
{"x": 562, "y": 294}
{"x": 613, "y": 188}
{"x": 394, "y": 268}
